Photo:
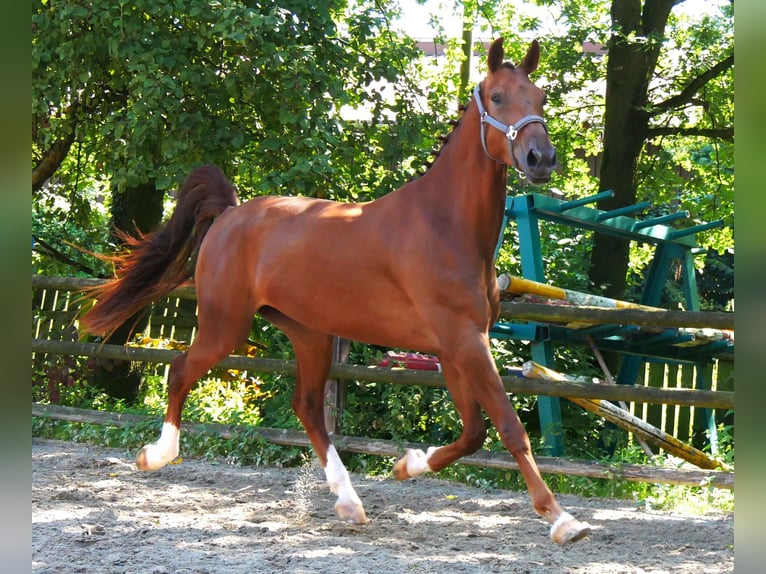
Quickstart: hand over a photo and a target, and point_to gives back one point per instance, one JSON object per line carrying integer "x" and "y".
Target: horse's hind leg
{"x": 314, "y": 357}
{"x": 416, "y": 462}
{"x": 218, "y": 334}
{"x": 313, "y": 354}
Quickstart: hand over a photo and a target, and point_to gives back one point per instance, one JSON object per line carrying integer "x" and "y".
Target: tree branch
{"x": 687, "y": 94}
{"x": 51, "y": 160}
{"x": 56, "y": 154}
{"x": 726, "y": 133}
{"x": 45, "y": 248}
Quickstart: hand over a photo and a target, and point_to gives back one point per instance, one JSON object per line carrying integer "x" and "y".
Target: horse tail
{"x": 157, "y": 262}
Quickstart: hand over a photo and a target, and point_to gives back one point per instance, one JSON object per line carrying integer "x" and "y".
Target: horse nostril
{"x": 533, "y": 158}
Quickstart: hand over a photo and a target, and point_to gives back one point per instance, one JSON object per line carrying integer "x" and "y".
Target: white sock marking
{"x": 338, "y": 478}
{"x": 563, "y": 517}
{"x": 417, "y": 461}
{"x": 165, "y": 449}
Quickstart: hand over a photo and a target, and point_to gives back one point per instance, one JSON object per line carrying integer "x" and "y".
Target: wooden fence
{"x": 56, "y": 302}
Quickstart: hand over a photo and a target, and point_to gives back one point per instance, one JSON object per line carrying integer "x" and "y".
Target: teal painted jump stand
{"x": 671, "y": 244}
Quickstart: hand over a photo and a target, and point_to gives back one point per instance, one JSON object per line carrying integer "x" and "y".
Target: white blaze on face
{"x": 339, "y": 480}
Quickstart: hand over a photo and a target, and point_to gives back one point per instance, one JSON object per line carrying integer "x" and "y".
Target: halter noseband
{"x": 510, "y": 131}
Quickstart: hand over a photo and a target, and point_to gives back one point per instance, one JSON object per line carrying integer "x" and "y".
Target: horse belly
{"x": 360, "y": 303}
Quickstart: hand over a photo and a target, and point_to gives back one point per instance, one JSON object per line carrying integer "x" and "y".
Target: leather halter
{"x": 510, "y": 131}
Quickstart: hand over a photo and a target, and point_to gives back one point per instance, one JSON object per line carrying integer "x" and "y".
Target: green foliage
{"x": 156, "y": 89}
{"x": 288, "y": 97}
{"x": 70, "y": 224}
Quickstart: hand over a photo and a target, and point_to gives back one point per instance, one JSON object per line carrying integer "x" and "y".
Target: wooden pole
{"x": 334, "y": 391}
{"x": 629, "y": 422}
{"x": 611, "y": 381}
{"x": 519, "y": 385}
{"x": 483, "y": 458}
{"x": 517, "y": 310}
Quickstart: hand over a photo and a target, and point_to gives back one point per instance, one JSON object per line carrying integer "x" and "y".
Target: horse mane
{"x": 444, "y": 140}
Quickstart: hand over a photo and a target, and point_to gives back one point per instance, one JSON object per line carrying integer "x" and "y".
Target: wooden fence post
{"x": 335, "y": 391}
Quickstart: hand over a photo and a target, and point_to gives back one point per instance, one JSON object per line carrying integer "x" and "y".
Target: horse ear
{"x": 530, "y": 61}
{"x": 496, "y": 55}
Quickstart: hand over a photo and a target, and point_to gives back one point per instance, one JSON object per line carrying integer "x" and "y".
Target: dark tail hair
{"x": 160, "y": 261}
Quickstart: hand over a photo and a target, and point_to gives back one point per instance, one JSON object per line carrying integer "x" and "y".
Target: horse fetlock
{"x": 156, "y": 455}
{"x": 413, "y": 463}
{"x": 567, "y": 529}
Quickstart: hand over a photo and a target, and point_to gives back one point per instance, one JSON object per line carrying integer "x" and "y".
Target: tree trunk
{"x": 137, "y": 209}
{"x": 633, "y": 51}
{"x": 469, "y": 16}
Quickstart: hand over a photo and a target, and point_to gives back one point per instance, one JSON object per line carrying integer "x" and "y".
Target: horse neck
{"x": 468, "y": 188}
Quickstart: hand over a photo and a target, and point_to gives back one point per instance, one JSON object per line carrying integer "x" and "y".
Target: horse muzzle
{"x": 534, "y": 157}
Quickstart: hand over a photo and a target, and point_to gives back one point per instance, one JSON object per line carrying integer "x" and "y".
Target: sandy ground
{"x": 93, "y": 512}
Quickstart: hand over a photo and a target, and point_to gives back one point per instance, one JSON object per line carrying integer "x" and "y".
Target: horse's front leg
{"x": 472, "y": 358}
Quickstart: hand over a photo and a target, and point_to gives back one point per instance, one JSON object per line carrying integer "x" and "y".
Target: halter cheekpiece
{"x": 510, "y": 131}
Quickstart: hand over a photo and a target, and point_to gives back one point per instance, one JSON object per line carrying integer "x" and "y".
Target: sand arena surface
{"x": 94, "y": 513}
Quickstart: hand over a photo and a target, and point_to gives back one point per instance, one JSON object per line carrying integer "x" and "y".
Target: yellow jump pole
{"x": 521, "y": 286}
{"x": 627, "y": 421}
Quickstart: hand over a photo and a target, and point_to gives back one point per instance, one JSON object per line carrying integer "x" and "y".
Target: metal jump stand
{"x": 638, "y": 346}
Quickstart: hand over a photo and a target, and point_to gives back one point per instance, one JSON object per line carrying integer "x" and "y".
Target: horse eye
{"x": 495, "y": 98}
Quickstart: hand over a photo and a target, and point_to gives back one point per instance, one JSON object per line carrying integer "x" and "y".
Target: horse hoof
{"x": 350, "y": 512}
{"x": 568, "y": 529}
{"x": 400, "y": 469}
{"x": 146, "y": 459}
{"x": 413, "y": 463}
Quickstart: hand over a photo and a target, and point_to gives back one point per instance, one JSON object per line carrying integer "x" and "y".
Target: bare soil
{"x": 93, "y": 512}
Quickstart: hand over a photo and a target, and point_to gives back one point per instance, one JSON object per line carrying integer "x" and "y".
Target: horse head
{"x": 509, "y": 102}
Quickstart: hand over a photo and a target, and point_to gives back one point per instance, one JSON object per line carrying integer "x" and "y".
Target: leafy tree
{"x": 648, "y": 116}
{"x": 155, "y": 89}
{"x": 677, "y": 108}
{"x": 128, "y": 98}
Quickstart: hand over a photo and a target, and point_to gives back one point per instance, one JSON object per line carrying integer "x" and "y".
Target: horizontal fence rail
{"x": 483, "y": 458}
{"x": 522, "y": 311}
{"x": 513, "y": 384}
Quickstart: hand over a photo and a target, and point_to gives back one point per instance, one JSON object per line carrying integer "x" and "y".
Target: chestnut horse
{"x": 413, "y": 269}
